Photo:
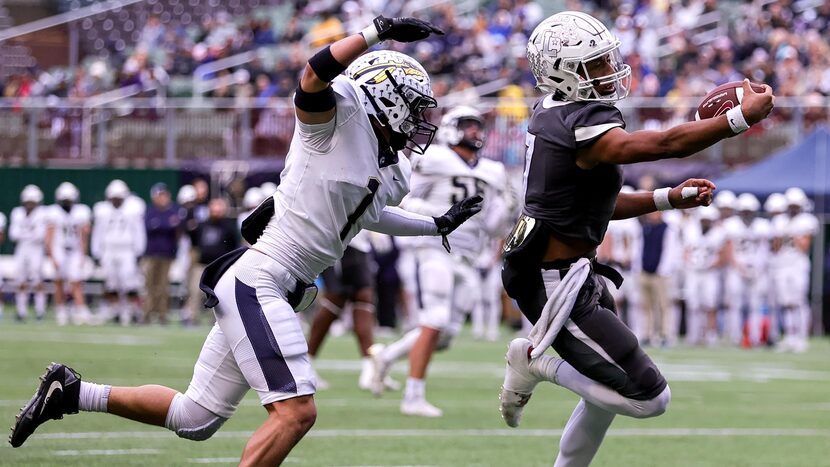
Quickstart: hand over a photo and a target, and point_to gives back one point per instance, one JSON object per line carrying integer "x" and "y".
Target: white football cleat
{"x": 380, "y": 371}
{"x": 420, "y": 408}
{"x": 519, "y": 382}
{"x": 390, "y": 384}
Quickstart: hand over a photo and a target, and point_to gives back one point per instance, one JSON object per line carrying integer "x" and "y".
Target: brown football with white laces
{"x": 722, "y": 98}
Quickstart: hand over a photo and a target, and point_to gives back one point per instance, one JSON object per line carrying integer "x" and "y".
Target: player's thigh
{"x": 217, "y": 384}
{"x": 434, "y": 283}
{"x": 468, "y": 288}
{"x": 709, "y": 288}
{"x": 264, "y": 333}
{"x": 600, "y": 346}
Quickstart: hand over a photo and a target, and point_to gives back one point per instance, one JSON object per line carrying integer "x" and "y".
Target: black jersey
{"x": 570, "y": 201}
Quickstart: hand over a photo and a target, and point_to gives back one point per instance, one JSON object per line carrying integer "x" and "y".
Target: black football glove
{"x": 404, "y": 29}
{"x": 457, "y": 215}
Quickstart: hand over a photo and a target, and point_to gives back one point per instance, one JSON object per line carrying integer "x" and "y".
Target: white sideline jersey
{"x": 118, "y": 230}
{"x": 750, "y": 243}
{"x": 28, "y": 229}
{"x": 331, "y": 186}
{"x": 441, "y": 178}
{"x": 626, "y": 243}
{"x": 788, "y": 228}
{"x": 703, "y": 248}
{"x": 68, "y": 226}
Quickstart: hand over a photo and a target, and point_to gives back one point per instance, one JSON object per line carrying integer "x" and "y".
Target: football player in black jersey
{"x": 576, "y": 142}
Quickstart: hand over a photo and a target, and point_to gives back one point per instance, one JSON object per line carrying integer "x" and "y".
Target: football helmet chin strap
{"x": 415, "y": 127}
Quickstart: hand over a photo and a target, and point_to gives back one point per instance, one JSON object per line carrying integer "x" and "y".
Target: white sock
{"x": 94, "y": 397}
{"x": 401, "y": 347}
{"x": 22, "y": 301}
{"x": 40, "y": 304}
{"x": 606, "y": 398}
{"x": 582, "y": 435}
{"x": 415, "y": 389}
{"x": 804, "y": 321}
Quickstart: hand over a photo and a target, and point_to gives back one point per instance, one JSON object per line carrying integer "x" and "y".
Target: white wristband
{"x": 370, "y": 34}
{"x": 661, "y": 199}
{"x": 737, "y": 122}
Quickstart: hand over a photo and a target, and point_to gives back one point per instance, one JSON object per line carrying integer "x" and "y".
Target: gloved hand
{"x": 404, "y": 29}
{"x": 457, "y": 215}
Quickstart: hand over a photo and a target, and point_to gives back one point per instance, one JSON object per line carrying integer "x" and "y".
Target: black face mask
{"x": 66, "y": 205}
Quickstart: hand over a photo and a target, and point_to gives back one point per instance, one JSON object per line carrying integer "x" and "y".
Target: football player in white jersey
{"x": 446, "y": 287}
{"x": 774, "y": 205}
{"x": 28, "y": 230}
{"x": 67, "y": 238}
{"x": 704, "y": 250}
{"x": 747, "y": 280}
{"x": 118, "y": 240}
{"x": 3, "y": 222}
{"x": 795, "y": 230}
{"x": 344, "y": 172}
{"x": 622, "y": 249}
{"x": 253, "y": 197}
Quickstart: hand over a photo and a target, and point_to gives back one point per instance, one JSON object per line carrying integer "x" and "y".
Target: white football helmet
{"x": 796, "y": 197}
{"x": 397, "y": 91}
{"x": 117, "y": 189}
{"x": 31, "y": 194}
{"x": 747, "y": 202}
{"x": 451, "y": 129}
{"x": 575, "y": 57}
{"x": 725, "y": 200}
{"x": 708, "y": 213}
{"x": 252, "y": 198}
{"x": 67, "y": 192}
{"x": 776, "y": 203}
{"x": 187, "y": 194}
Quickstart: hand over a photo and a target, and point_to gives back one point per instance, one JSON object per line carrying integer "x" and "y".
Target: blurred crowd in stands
{"x": 676, "y": 48}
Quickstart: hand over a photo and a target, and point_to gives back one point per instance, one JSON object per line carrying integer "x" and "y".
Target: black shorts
{"x": 349, "y": 274}
{"x": 601, "y": 346}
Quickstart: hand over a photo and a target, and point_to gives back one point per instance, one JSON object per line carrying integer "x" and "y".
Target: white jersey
{"x": 332, "y": 185}
{"x": 750, "y": 243}
{"x": 68, "y": 226}
{"x": 626, "y": 243}
{"x": 117, "y": 230}
{"x": 28, "y": 229}
{"x": 703, "y": 248}
{"x": 441, "y": 178}
{"x": 788, "y": 228}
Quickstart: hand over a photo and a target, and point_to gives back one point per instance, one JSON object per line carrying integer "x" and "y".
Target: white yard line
{"x": 85, "y": 338}
{"x": 465, "y": 433}
{"x": 105, "y": 452}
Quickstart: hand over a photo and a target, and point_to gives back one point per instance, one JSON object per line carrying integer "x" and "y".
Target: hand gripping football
{"x": 722, "y": 98}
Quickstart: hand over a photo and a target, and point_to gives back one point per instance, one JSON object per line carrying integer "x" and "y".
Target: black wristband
{"x": 325, "y": 66}
{"x": 315, "y": 101}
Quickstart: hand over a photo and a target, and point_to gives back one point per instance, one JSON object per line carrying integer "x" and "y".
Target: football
{"x": 723, "y": 98}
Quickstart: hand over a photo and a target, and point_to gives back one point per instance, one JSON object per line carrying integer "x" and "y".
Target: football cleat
{"x": 381, "y": 369}
{"x": 420, "y": 408}
{"x": 519, "y": 382}
{"x": 57, "y": 395}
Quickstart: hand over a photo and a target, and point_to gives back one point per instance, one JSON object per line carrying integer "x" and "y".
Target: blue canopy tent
{"x": 804, "y": 165}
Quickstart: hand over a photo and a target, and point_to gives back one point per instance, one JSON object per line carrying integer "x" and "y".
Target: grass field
{"x": 730, "y": 408}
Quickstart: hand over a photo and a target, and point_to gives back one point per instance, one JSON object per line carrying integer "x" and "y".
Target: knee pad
{"x": 190, "y": 420}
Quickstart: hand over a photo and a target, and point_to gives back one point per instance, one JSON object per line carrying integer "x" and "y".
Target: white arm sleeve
{"x": 399, "y": 222}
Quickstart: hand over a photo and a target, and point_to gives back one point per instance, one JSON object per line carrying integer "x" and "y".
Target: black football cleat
{"x": 57, "y": 395}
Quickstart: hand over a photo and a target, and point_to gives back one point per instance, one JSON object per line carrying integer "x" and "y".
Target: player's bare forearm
{"x": 345, "y": 51}
{"x": 633, "y": 205}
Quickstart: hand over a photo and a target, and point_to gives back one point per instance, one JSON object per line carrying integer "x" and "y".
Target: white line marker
{"x": 105, "y": 452}
{"x": 474, "y": 433}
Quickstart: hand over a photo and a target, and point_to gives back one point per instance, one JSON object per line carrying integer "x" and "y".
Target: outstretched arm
{"x": 314, "y": 100}
{"x": 636, "y": 204}
{"x": 617, "y": 146}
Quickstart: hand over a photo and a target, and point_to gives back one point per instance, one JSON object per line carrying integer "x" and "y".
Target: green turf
{"x": 730, "y": 408}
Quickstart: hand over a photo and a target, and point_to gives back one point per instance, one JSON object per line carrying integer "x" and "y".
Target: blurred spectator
{"x": 163, "y": 224}
{"x": 660, "y": 246}
{"x": 213, "y": 238}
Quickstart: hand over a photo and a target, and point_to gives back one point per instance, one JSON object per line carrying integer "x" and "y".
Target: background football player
{"x": 703, "y": 245}
{"x": 67, "y": 241}
{"x": 28, "y": 230}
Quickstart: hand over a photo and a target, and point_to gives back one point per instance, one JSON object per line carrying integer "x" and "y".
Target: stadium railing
{"x": 165, "y": 132}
